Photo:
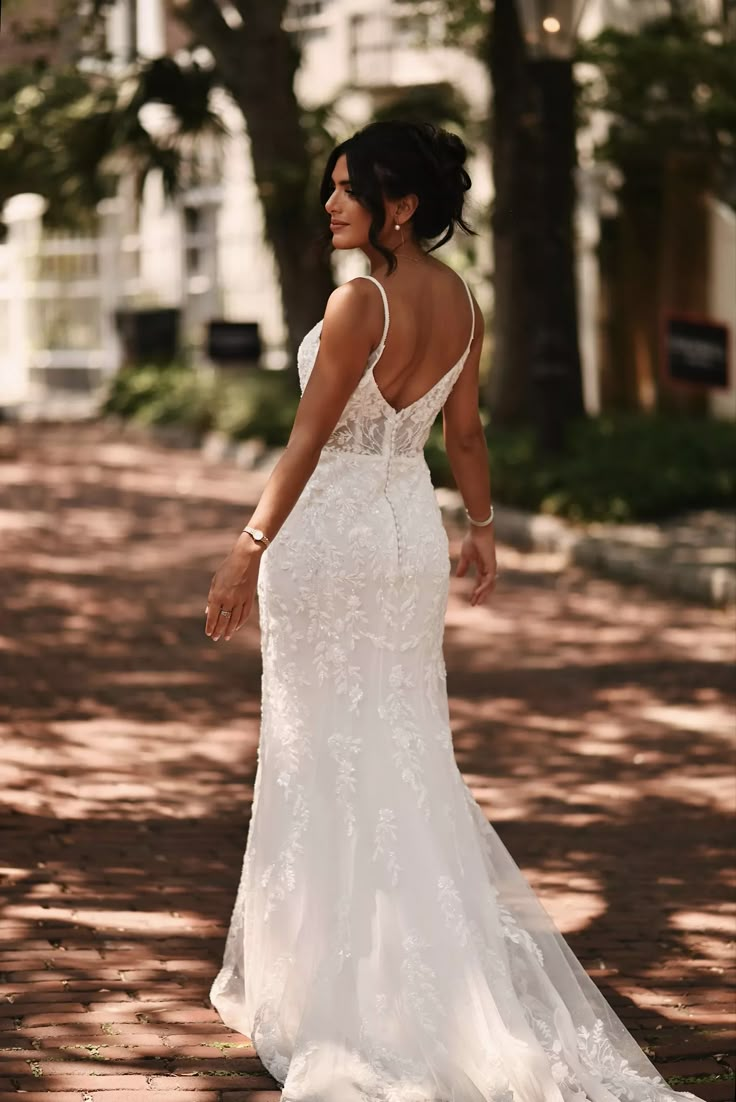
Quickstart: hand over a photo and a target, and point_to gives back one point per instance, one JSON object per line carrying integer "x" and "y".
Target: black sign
{"x": 697, "y": 352}
{"x": 151, "y": 334}
{"x": 233, "y": 341}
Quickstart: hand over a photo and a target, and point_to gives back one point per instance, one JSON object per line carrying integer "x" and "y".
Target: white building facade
{"x": 206, "y": 253}
{"x": 354, "y": 52}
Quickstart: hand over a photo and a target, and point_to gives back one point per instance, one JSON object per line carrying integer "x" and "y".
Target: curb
{"x": 626, "y": 553}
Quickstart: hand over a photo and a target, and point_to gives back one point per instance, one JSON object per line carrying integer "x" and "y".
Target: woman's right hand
{"x": 479, "y": 549}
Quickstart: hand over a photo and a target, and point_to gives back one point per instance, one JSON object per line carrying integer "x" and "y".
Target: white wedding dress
{"x": 384, "y": 945}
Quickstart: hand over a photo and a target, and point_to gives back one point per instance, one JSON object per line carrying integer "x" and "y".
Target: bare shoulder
{"x": 453, "y": 276}
{"x": 479, "y": 319}
{"x": 351, "y": 298}
{"x": 354, "y": 308}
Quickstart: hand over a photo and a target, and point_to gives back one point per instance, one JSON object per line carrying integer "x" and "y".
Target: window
{"x": 306, "y": 19}
{"x": 370, "y": 48}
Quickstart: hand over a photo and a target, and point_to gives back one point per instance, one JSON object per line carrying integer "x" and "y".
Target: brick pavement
{"x": 592, "y": 722}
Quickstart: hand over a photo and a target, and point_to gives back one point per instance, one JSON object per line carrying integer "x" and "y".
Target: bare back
{"x": 430, "y": 328}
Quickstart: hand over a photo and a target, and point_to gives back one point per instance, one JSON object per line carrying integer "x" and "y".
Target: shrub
{"x": 159, "y": 396}
{"x": 262, "y": 404}
{"x": 615, "y": 468}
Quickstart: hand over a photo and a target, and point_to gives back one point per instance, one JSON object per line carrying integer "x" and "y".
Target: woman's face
{"x": 349, "y": 221}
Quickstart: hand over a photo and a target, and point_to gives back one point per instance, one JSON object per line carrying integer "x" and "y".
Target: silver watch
{"x": 257, "y": 535}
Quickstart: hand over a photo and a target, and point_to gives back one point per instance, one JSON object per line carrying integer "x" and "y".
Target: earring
{"x": 397, "y": 226}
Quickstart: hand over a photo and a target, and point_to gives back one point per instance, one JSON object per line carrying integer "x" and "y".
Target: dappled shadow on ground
{"x": 591, "y": 721}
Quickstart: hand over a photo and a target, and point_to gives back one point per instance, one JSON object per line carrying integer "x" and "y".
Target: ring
{"x": 224, "y": 613}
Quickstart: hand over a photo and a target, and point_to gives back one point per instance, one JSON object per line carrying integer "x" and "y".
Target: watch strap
{"x": 261, "y": 539}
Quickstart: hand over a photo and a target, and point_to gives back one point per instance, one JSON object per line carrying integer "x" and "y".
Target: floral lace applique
{"x": 345, "y": 750}
{"x": 385, "y": 844}
{"x": 602, "y": 1060}
{"x": 419, "y": 985}
{"x": 279, "y": 880}
{"x": 407, "y": 740}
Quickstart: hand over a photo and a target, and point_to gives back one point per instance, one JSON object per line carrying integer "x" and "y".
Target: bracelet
{"x": 261, "y": 539}
{"x": 480, "y": 523}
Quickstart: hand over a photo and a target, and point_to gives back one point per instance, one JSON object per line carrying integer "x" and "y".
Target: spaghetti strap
{"x": 386, "y": 316}
{"x": 472, "y": 314}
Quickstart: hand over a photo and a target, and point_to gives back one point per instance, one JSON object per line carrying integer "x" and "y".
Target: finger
{"x": 213, "y": 612}
{"x": 247, "y": 609}
{"x": 486, "y": 589}
{"x": 463, "y": 564}
{"x": 244, "y": 613}
{"x": 486, "y": 584}
{"x": 223, "y": 623}
{"x": 228, "y": 625}
{"x": 215, "y": 621}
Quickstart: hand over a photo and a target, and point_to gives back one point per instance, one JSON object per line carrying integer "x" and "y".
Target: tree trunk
{"x": 556, "y": 393}
{"x": 257, "y": 62}
{"x": 513, "y": 214}
{"x": 536, "y": 376}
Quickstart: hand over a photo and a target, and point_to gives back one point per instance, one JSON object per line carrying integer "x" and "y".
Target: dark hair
{"x": 392, "y": 159}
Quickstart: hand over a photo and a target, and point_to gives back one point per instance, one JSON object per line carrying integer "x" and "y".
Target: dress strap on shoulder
{"x": 385, "y": 307}
{"x": 472, "y": 314}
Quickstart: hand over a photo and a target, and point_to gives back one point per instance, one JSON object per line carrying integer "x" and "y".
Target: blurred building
{"x": 206, "y": 252}
{"x": 356, "y": 54}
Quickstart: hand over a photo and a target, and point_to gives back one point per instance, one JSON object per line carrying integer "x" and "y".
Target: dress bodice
{"x": 369, "y": 425}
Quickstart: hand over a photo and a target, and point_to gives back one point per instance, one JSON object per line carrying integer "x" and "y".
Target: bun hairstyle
{"x": 392, "y": 159}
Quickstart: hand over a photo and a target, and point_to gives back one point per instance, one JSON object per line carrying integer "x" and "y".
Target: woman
{"x": 384, "y": 945}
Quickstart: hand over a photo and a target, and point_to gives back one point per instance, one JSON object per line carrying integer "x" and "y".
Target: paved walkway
{"x": 591, "y": 720}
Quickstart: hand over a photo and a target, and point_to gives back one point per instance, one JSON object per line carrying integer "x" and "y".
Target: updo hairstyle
{"x": 392, "y": 159}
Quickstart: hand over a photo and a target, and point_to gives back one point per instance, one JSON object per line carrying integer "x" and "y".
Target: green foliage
{"x": 669, "y": 88}
{"x": 152, "y": 395}
{"x": 184, "y": 92}
{"x": 63, "y": 131}
{"x": 464, "y": 23}
{"x": 442, "y": 103}
{"x": 54, "y": 125}
{"x": 618, "y": 469}
{"x": 259, "y": 404}
{"x": 262, "y": 404}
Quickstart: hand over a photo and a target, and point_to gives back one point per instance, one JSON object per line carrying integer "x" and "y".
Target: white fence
{"x": 59, "y": 294}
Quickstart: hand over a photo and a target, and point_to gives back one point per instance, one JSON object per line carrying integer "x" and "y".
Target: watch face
{"x": 257, "y": 533}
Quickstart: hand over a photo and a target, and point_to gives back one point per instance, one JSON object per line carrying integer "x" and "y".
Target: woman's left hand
{"x": 232, "y": 590}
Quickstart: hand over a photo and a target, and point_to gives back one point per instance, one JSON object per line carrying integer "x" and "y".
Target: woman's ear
{"x": 407, "y": 205}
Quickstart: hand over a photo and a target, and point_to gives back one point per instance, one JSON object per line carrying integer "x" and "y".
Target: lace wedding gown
{"x": 384, "y": 945}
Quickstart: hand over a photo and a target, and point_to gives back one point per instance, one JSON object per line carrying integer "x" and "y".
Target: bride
{"x": 384, "y": 945}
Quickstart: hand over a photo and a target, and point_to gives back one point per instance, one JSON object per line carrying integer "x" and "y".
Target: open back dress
{"x": 384, "y": 946}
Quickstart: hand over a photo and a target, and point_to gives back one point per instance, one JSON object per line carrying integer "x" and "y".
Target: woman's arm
{"x": 465, "y": 441}
{"x": 467, "y": 451}
{"x": 349, "y": 331}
